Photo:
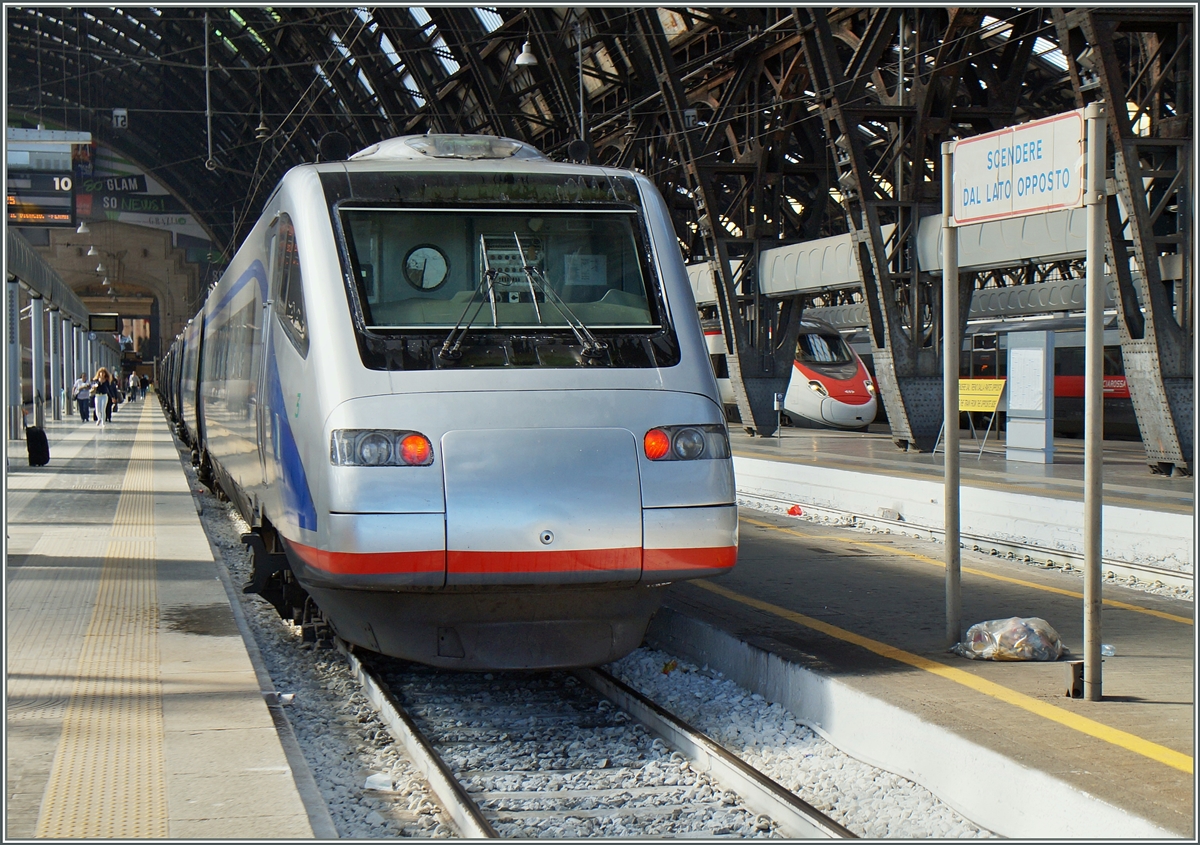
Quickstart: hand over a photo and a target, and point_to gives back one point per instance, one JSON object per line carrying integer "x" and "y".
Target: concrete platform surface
{"x": 133, "y": 707}
{"x": 847, "y": 628}
{"x": 1148, "y": 520}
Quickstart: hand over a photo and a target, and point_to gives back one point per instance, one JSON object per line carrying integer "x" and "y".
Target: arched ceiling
{"x": 760, "y": 125}
{"x": 376, "y": 72}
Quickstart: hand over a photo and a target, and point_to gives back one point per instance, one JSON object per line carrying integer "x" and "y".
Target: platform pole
{"x": 951, "y": 343}
{"x": 1093, "y": 391}
{"x": 69, "y": 368}
{"x": 37, "y": 342}
{"x": 56, "y": 364}
{"x": 16, "y": 428}
{"x": 77, "y": 347}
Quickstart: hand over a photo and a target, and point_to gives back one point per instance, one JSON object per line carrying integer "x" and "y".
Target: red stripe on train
{"x": 660, "y": 560}
{"x": 582, "y": 560}
{"x": 1071, "y": 387}
{"x": 463, "y": 563}
{"x": 370, "y": 563}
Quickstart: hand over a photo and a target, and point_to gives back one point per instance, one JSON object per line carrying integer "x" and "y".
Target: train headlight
{"x": 374, "y": 449}
{"x": 371, "y": 447}
{"x": 869, "y": 385}
{"x": 686, "y": 443}
{"x": 818, "y": 388}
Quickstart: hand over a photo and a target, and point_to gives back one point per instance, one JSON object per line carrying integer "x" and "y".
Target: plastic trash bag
{"x": 1016, "y": 638}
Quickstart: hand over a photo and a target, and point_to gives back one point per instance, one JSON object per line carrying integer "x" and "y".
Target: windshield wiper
{"x": 592, "y": 348}
{"x": 451, "y": 347}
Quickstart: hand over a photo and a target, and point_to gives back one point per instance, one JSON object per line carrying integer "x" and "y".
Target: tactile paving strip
{"x": 108, "y": 779}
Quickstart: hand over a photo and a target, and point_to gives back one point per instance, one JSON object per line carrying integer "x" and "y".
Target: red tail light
{"x": 416, "y": 450}
{"x": 657, "y": 444}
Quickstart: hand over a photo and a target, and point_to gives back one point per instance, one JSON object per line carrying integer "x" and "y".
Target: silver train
{"x": 461, "y": 395}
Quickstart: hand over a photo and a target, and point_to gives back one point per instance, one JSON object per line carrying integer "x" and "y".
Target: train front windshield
{"x": 435, "y": 268}
{"x": 823, "y": 348}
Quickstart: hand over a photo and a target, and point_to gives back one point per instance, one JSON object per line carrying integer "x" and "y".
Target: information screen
{"x": 40, "y": 199}
{"x": 104, "y": 322}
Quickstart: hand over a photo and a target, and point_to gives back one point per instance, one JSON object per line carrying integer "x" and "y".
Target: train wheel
{"x": 204, "y": 473}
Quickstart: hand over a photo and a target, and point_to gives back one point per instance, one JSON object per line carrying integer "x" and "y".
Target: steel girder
{"x": 892, "y": 85}
{"x": 740, "y": 161}
{"x": 1142, "y": 60}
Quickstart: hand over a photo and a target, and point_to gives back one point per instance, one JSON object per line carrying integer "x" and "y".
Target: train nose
{"x": 513, "y": 516}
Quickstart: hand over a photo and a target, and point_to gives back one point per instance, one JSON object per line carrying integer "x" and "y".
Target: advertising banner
{"x": 109, "y": 187}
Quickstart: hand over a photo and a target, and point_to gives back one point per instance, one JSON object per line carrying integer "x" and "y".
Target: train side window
{"x": 1114, "y": 365}
{"x": 289, "y": 301}
{"x": 1068, "y": 361}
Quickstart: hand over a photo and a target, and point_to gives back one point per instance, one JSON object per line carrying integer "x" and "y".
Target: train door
{"x": 262, "y": 422}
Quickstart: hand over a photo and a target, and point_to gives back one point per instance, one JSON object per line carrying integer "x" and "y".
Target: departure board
{"x": 40, "y": 199}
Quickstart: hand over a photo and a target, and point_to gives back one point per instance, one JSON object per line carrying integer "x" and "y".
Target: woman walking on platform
{"x": 106, "y": 396}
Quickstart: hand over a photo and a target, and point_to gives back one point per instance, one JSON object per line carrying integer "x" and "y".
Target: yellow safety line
{"x": 1120, "y": 738}
{"x": 108, "y": 779}
{"x": 981, "y": 573}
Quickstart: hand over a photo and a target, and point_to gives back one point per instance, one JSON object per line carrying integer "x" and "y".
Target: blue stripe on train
{"x": 293, "y": 481}
{"x": 297, "y": 500}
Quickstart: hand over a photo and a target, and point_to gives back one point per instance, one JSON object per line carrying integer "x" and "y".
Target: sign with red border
{"x": 1027, "y": 169}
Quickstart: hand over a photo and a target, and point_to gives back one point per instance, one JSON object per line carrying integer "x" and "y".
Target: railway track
{"x": 572, "y": 755}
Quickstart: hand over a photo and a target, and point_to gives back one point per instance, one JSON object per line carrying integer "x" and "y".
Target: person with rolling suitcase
{"x": 37, "y": 445}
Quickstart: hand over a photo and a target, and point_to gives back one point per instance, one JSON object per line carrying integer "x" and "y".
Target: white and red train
{"x": 830, "y": 386}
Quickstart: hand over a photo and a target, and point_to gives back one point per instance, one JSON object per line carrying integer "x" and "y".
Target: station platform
{"x": 847, "y": 629}
{"x": 134, "y": 707}
{"x": 1019, "y": 508}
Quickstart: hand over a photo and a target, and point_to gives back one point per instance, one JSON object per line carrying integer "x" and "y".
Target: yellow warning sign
{"x": 979, "y": 394}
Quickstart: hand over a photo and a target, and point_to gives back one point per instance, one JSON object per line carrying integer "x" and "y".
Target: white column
{"x": 56, "y": 364}
{"x": 70, "y": 371}
{"x": 12, "y": 309}
{"x": 37, "y": 340}
{"x": 77, "y": 347}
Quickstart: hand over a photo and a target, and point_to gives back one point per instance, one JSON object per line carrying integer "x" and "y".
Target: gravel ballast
{"x": 345, "y": 743}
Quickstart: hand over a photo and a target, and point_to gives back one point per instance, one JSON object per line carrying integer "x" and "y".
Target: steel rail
{"x": 797, "y": 819}
{"x": 462, "y": 810}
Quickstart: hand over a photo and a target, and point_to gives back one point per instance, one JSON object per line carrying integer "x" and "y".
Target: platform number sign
{"x": 40, "y": 198}
{"x": 120, "y": 119}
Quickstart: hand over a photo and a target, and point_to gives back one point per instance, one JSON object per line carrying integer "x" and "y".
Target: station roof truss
{"x": 377, "y": 72}
{"x": 761, "y": 126}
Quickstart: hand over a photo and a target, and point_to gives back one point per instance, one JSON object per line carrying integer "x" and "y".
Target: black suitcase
{"x": 38, "y": 446}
